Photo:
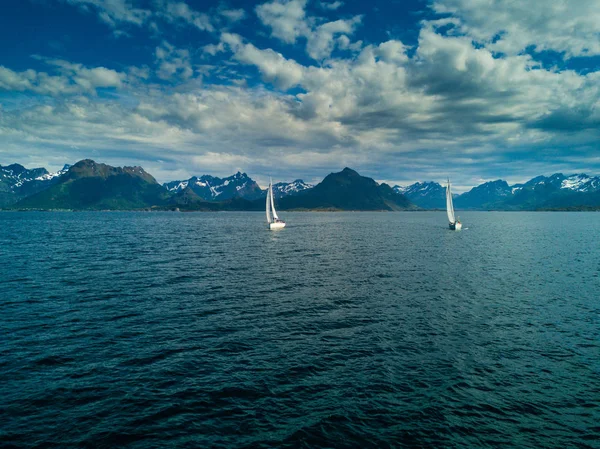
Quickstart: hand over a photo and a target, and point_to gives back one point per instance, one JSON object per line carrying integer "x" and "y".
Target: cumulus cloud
{"x": 331, "y": 6}
{"x": 273, "y": 67}
{"x": 233, "y": 15}
{"x": 245, "y": 127}
{"x": 180, "y": 11}
{"x": 286, "y": 18}
{"x": 321, "y": 42}
{"x": 450, "y": 94}
{"x": 288, "y": 22}
{"x": 70, "y": 79}
{"x": 114, "y": 12}
{"x": 173, "y": 63}
{"x": 10, "y": 80}
{"x": 392, "y": 51}
{"x": 510, "y": 27}
{"x": 450, "y": 100}
{"x": 118, "y": 12}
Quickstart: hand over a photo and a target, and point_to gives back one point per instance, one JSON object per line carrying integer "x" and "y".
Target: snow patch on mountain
{"x": 56, "y": 174}
{"x": 15, "y": 175}
{"x": 211, "y": 188}
{"x": 282, "y": 189}
{"x": 581, "y": 183}
{"x": 177, "y": 187}
{"x": 419, "y": 188}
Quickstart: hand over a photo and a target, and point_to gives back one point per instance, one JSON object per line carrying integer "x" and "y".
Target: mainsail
{"x": 273, "y": 202}
{"x": 449, "y": 205}
{"x": 269, "y": 220}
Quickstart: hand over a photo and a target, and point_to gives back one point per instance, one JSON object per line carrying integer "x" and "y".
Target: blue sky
{"x": 399, "y": 90}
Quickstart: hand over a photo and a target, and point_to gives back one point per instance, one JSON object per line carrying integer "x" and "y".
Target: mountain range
{"x": 427, "y": 195}
{"x": 347, "y": 190}
{"x": 210, "y": 188}
{"x": 18, "y": 182}
{"x": 88, "y": 185}
{"x": 558, "y": 191}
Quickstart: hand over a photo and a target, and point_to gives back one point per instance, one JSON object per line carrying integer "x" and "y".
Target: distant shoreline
{"x": 294, "y": 210}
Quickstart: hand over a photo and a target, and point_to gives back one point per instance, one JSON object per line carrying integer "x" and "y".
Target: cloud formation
{"x": 173, "y": 62}
{"x": 114, "y": 12}
{"x": 288, "y": 21}
{"x": 512, "y": 26}
{"x": 70, "y": 79}
{"x": 465, "y": 99}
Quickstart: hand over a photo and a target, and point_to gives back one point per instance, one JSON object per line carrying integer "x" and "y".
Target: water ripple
{"x": 344, "y": 330}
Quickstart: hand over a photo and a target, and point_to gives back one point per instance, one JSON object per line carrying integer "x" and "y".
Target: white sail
{"x": 269, "y": 220}
{"x": 273, "y": 202}
{"x": 449, "y": 205}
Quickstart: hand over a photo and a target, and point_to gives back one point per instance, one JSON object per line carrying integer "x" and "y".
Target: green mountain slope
{"x": 92, "y": 186}
{"x": 347, "y": 190}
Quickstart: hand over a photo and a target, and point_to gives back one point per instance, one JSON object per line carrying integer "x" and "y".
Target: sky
{"x": 399, "y": 90}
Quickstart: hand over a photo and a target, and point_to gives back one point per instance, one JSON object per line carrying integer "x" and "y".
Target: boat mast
{"x": 269, "y": 220}
{"x": 273, "y": 201}
{"x": 449, "y": 205}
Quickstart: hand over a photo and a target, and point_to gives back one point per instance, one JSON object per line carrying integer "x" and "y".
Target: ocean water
{"x": 344, "y": 330}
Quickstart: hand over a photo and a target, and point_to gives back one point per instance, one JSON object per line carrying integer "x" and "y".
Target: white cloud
{"x": 173, "y": 62}
{"x": 331, "y": 6}
{"x": 447, "y": 100}
{"x": 72, "y": 79}
{"x": 286, "y": 18}
{"x": 288, "y": 22}
{"x": 510, "y": 27}
{"x": 450, "y": 94}
{"x": 174, "y": 11}
{"x": 392, "y": 51}
{"x": 232, "y": 39}
{"x": 321, "y": 41}
{"x": 10, "y": 80}
{"x": 343, "y": 43}
{"x": 117, "y": 12}
{"x": 114, "y": 12}
{"x": 213, "y": 49}
{"x": 233, "y": 15}
{"x": 274, "y": 68}
{"x": 140, "y": 73}
{"x": 222, "y": 128}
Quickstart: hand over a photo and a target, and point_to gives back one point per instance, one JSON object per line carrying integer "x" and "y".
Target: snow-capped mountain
{"x": 541, "y": 192}
{"x": 282, "y": 189}
{"x": 18, "y": 182}
{"x": 211, "y": 188}
{"x": 89, "y": 185}
{"x": 41, "y": 182}
{"x": 49, "y": 176}
{"x": 581, "y": 183}
{"x": 558, "y": 191}
{"x": 555, "y": 191}
{"x": 428, "y": 195}
{"x": 15, "y": 175}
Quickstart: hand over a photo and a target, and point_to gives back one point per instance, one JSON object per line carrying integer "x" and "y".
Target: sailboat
{"x": 272, "y": 219}
{"x": 455, "y": 224}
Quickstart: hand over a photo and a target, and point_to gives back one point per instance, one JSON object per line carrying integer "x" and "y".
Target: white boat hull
{"x": 277, "y": 225}
{"x": 456, "y": 226}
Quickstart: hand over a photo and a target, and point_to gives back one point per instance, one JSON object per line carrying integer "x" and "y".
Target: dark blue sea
{"x": 344, "y": 330}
